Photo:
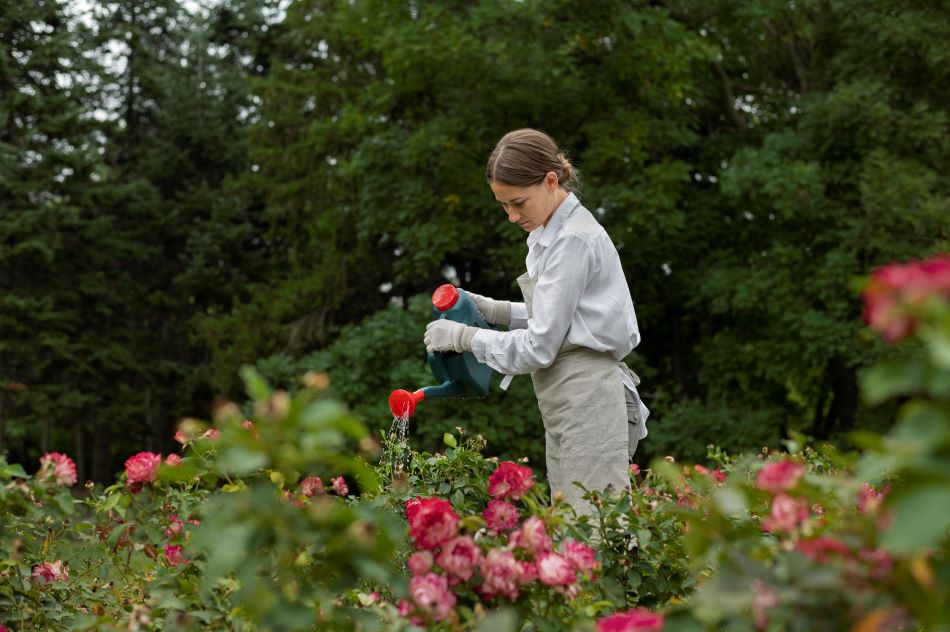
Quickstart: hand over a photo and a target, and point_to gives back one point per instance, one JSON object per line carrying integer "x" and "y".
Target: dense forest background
{"x": 186, "y": 188}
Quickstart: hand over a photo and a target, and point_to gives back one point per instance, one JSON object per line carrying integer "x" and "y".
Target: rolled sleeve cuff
{"x": 519, "y": 316}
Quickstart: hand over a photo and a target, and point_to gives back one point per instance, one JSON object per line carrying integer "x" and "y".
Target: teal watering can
{"x": 458, "y": 374}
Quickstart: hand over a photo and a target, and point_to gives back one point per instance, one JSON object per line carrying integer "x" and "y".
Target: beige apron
{"x": 584, "y": 409}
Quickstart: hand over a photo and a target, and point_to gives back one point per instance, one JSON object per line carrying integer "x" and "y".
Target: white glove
{"x": 494, "y": 312}
{"x": 448, "y": 335}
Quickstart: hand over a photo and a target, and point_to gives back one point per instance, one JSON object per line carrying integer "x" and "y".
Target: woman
{"x": 573, "y": 330}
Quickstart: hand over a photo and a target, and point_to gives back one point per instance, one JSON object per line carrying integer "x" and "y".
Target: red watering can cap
{"x": 444, "y": 297}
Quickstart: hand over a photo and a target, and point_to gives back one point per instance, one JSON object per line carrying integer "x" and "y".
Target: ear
{"x": 550, "y": 180}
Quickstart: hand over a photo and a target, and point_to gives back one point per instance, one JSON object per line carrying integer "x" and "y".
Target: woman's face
{"x": 529, "y": 207}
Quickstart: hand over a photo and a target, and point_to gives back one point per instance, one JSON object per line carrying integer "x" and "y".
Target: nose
{"x": 513, "y": 216}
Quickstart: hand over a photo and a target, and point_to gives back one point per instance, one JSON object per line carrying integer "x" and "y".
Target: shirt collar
{"x": 545, "y": 235}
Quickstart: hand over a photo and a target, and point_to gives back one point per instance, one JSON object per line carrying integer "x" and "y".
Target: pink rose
{"x": 311, "y": 486}
{"x": 432, "y": 521}
{"x": 779, "y": 476}
{"x": 431, "y": 595}
{"x": 501, "y": 573}
{"x": 719, "y": 476}
{"x": 500, "y": 516}
{"x": 142, "y": 467}
{"x": 339, "y": 486}
{"x": 895, "y": 292}
{"x": 58, "y": 469}
{"x": 459, "y": 557}
{"x": 634, "y": 469}
{"x": 787, "y": 514}
{"x": 527, "y": 572}
{"x": 172, "y": 460}
{"x": 510, "y": 480}
{"x": 420, "y": 562}
{"x": 764, "y": 599}
{"x": 211, "y": 434}
{"x": 49, "y": 572}
{"x": 554, "y": 570}
{"x": 175, "y": 526}
{"x": 580, "y": 556}
{"x": 637, "y": 620}
{"x": 532, "y": 536}
{"x": 173, "y": 555}
{"x": 180, "y": 437}
{"x": 821, "y": 548}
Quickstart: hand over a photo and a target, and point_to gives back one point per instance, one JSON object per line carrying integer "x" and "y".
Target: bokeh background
{"x": 189, "y": 187}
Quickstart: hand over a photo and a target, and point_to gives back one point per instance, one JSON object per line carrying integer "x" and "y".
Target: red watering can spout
{"x": 403, "y": 403}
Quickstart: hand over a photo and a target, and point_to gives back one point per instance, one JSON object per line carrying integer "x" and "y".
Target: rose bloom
{"x": 430, "y": 593}
{"x": 420, "y": 562}
{"x": 459, "y": 557}
{"x": 175, "y": 525}
{"x": 579, "y": 556}
{"x": 634, "y": 469}
{"x": 510, "y": 480}
{"x": 764, "y": 599}
{"x": 500, "y": 516}
{"x": 779, "y": 476}
{"x": 48, "y": 572}
{"x": 637, "y": 620}
{"x": 820, "y": 549}
{"x": 532, "y": 536}
{"x": 894, "y": 291}
{"x": 501, "y": 574}
{"x": 527, "y": 572}
{"x": 869, "y": 499}
{"x": 211, "y": 434}
{"x": 432, "y": 521}
{"x": 58, "y": 469}
{"x": 787, "y": 513}
{"x": 311, "y": 486}
{"x": 142, "y": 467}
{"x": 180, "y": 437}
{"x": 339, "y": 486}
{"x": 173, "y": 554}
{"x": 554, "y": 570}
{"x": 719, "y": 476}
{"x": 173, "y": 460}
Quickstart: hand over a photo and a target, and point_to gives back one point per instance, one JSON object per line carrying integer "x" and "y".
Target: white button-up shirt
{"x": 581, "y": 296}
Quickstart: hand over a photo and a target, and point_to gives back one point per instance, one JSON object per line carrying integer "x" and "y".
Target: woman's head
{"x": 530, "y": 176}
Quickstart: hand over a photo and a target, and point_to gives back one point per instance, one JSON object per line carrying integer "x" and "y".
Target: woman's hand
{"x": 448, "y": 335}
{"x": 494, "y": 312}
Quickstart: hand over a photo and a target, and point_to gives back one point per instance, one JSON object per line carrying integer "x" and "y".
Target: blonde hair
{"x": 523, "y": 157}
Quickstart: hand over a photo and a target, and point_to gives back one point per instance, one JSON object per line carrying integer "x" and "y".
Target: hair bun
{"x": 567, "y": 169}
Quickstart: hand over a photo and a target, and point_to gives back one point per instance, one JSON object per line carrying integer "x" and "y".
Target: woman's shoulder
{"x": 582, "y": 223}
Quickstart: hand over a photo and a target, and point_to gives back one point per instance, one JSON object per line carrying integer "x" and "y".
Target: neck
{"x": 559, "y": 196}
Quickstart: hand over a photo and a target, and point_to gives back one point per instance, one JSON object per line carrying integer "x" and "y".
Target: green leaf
{"x": 13, "y": 470}
{"x": 257, "y": 387}
{"x": 894, "y": 377}
{"x": 238, "y": 459}
{"x": 109, "y": 503}
{"x": 921, "y": 518}
{"x": 501, "y": 620}
{"x": 449, "y": 440}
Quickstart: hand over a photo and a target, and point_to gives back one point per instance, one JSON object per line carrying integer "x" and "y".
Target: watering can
{"x": 457, "y": 374}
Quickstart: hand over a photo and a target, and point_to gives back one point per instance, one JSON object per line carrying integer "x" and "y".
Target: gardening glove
{"x": 494, "y": 312}
{"x": 448, "y": 335}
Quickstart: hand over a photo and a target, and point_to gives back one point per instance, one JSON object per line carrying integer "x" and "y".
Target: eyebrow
{"x": 522, "y": 198}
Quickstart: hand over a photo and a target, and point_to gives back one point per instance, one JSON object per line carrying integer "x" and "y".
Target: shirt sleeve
{"x": 519, "y": 316}
{"x": 555, "y": 300}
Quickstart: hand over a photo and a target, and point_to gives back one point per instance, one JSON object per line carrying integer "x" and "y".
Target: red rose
{"x": 638, "y": 620}
{"x": 142, "y": 467}
{"x": 779, "y": 476}
{"x": 510, "y": 480}
{"x": 432, "y": 522}
{"x": 500, "y": 516}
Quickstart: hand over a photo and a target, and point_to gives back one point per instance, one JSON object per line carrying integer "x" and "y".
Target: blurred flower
{"x": 430, "y": 593}
{"x": 339, "y": 486}
{"x": 48, "y": 572}
{"x": 821, "y": 548}
{"x": 532, "y": 536}
{"x": 142, "y": 467}
{"x": 763, "y": 599}
{"x": 173, "y": 460}
{"x": 554, "y": 570}
{"x": 895, "y": 292}
{"x": 580, "y": 556}
{"x": 175, "y": 526}
{"x": 500, "y": 574}
{"x": 787, "y": 513}
{"x": 211, "y": 434}
{"x": 637, "y": 620}
{"x": 500, "y": 516}
{"x": 139, "y": 617}
{"x": 527, "y": 572}
{"x": 510, "y": 480}
{"x": 180, "y": 437}
{"x": 432, "y": 521}
{"x": 869, "y": 499}
{"x": 58, "y": 469}
{"x": 779, "y": 476}
{"x": 420, "y": 562}
{"x": 719, "y": 475}
{"x": 459, "y": 557}
{"x": 311, "y": 486}
{"x": 173, "y": 554}
{"x": 634, "y": 469}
